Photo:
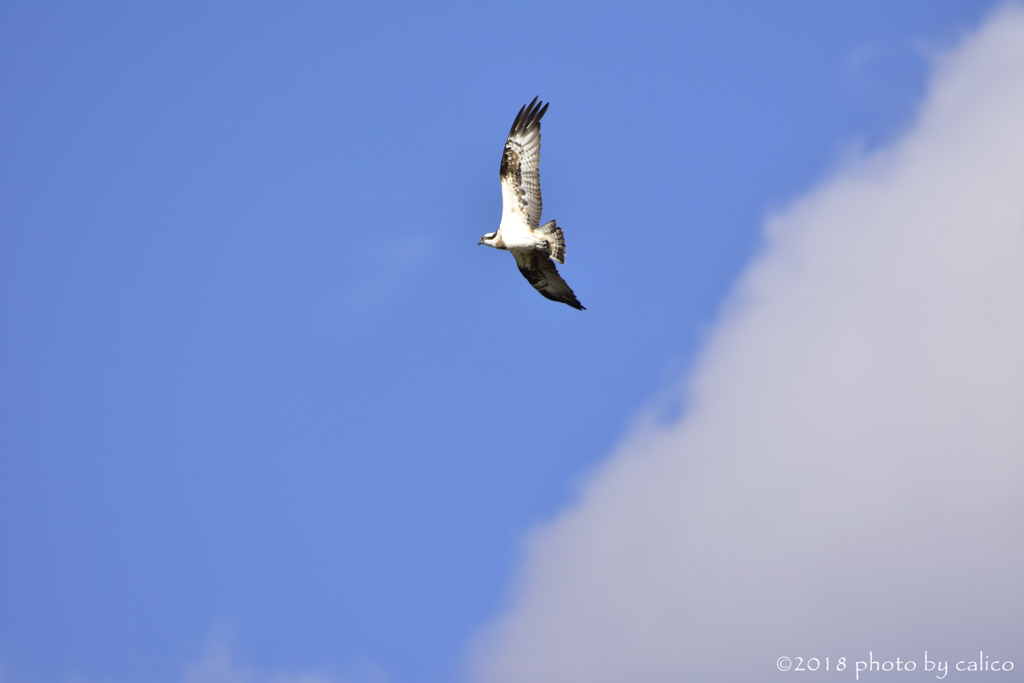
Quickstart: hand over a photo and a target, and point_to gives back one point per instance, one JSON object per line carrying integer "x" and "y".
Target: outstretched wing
{"x": 520, "y": 181}
{"x": 537, "y": 267}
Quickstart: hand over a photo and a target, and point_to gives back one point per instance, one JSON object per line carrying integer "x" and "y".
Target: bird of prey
{"x": 533, "y": 245}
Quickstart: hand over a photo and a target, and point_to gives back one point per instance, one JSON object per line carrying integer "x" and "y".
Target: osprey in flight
{"x": 533, "y": 245}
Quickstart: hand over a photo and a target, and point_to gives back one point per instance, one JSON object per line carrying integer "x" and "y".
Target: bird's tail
{"x": 556, "y": 241}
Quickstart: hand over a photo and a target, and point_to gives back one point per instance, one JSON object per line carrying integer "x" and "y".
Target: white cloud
{"x": 849, "y": 473}
{"x": 218, "y": 666}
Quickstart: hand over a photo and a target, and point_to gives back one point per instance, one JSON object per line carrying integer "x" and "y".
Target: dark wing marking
{"x": 537, "y": 267}
{"x": 519, "y": 162}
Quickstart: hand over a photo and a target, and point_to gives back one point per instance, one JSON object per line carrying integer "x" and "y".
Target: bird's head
{"x": 490, "y": 239}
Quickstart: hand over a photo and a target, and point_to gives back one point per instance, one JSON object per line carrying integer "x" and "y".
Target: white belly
{"x": 516, "y": 233}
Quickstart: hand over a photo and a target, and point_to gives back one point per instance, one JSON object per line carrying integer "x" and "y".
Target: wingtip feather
{"x": 529, "y": 115}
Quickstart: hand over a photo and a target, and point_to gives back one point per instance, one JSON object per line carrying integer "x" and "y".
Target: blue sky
{"x": 257, "y": 380}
